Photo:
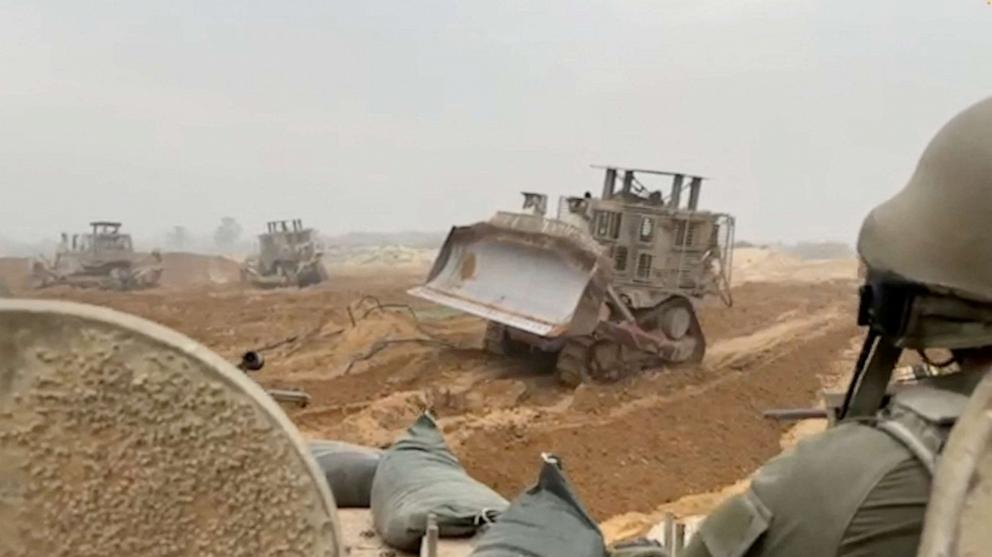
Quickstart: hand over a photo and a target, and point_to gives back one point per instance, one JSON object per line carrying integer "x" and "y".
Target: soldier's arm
{"x": 850, "y": 492}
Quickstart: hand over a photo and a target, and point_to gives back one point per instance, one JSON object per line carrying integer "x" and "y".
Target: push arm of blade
{"x": 621, "y": 307}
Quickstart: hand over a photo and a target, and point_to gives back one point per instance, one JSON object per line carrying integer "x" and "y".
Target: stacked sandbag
{"x": 349, "y": 470}
{"x": 418, "y": 476}
{"x": 547, "y": 520}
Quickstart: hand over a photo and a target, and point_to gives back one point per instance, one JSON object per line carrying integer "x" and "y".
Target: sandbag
{"x": 349, "y": 470}
{"x": 418, "y": 475}
{"x": 547, "y": 520}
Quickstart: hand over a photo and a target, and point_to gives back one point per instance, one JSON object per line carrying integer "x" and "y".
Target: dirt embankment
{"x": 187, "y": 270}
{"x": 180, "y": 271}
{"x": 15, "y": 272}
{"x": 768, "y": 265}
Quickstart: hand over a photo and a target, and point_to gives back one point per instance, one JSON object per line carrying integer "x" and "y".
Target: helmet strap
{"x": 870, "y": 382}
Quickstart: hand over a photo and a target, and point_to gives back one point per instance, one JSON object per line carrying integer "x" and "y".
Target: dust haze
{"x": 399, "y": 116}
{"x": 382, "y": 124}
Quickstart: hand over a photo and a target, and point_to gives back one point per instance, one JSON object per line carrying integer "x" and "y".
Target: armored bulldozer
{"x": 102, "y": 258}
{"x": 289, "y": 255}
{"x": 610, "y": 286}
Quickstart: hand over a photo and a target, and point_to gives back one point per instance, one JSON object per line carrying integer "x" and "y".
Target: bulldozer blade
{"x": 539, "y": 275}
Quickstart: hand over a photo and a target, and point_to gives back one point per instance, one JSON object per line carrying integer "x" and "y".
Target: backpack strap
{"x": 920, "y": 418}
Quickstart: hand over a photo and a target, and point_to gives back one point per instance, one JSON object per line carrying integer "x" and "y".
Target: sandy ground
{"x": 372, "y": 358}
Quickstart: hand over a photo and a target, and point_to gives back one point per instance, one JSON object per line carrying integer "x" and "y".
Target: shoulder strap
{"x": 920, "y": 418}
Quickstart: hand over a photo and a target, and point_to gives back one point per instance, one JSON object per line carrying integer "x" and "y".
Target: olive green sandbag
{"x": 418, "y": 476}
{"x": 547, "y": 520}
{"x": 349, "y": 470}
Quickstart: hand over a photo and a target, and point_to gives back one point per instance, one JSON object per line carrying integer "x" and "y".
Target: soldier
{"x": 861, "y": 488}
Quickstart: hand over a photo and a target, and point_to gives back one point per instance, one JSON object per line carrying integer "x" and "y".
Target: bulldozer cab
{"x": 104, "y": 237}
{"x": 286, "y": 241}
{"x": 660, "y": 242}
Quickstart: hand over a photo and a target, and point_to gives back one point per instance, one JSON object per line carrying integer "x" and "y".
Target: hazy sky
{"x": 366, "y": 115}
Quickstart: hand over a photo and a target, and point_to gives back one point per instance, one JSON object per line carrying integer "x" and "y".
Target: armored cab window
{"x": 685, "y": 233}
{"x": 602, "y": 226}
{"x": 620, "y": 258}
{"x": 647, "y": 229}
{"x": 608, "y": 224}
{"x": 615, "y": 225}
{"x": 644, "y": 266}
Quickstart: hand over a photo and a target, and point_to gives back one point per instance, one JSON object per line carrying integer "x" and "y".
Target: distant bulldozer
{"x": 103, "y": 258}
{"x": 610, "y": 285}
{"x": 289, "y": 255}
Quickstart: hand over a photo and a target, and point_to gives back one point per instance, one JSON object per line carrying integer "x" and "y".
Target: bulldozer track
{"x": 572, "y": 367}
{"x": 588, "y": 359}
{"x": 650, "y": 321}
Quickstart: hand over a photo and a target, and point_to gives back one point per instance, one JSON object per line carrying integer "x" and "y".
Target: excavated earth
{"x": 372, "y": 358}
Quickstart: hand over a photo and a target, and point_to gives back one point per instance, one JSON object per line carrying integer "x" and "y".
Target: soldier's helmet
{"x": 928, "y": 250}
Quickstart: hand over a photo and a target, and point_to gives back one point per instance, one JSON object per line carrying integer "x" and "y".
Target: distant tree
{"x": 178, "y": 238}
{"x": 228, "y": 233}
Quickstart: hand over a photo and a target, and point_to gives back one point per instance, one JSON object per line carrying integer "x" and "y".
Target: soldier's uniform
{"x": 861, "y": 488}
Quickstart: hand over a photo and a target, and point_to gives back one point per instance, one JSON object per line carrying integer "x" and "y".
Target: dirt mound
{"x": 773, "y": 265}
{"x": 820, "y": 250}
{"x": 181, "y": 270}
{"x": 357, "y": 259}
{"x": 184, "y": 270}
{"x": 15, "y": 272}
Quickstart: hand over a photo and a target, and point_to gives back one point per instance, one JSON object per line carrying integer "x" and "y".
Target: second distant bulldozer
{"x": 103, "y": 258}
{"x": 289, "y": 255}
{"x": 610, "y": 286}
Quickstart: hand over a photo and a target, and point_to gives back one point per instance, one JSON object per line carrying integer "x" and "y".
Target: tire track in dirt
{"x": 695, "y": 440}
{"x": 729, "y": 359}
